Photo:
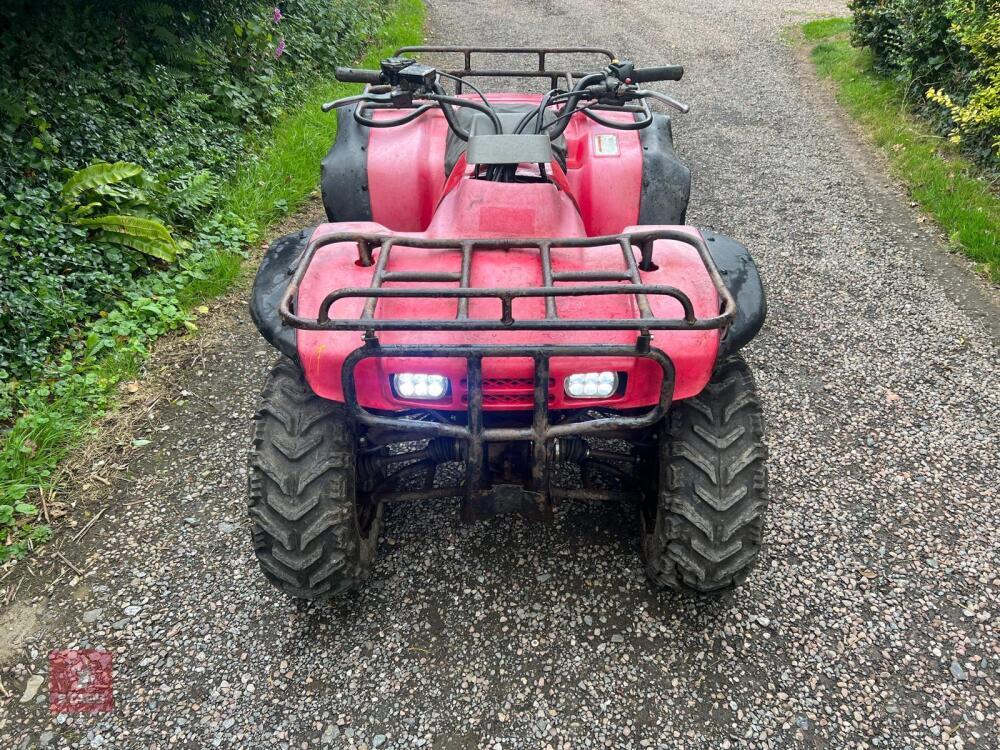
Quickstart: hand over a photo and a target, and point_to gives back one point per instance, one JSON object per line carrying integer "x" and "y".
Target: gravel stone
{"x": 880, "y": 571}
{"x": 958, "y": 671}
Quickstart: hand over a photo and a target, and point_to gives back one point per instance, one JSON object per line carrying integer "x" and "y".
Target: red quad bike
{"x": 506, "y": 306}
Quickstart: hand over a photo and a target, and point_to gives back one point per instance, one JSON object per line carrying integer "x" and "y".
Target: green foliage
{"x": 148, "y": 236}
{"x": 187, "y": 89}
{"x": 949, "y": 186}
{"x": 123, "y": 124}
{"x": 826, "y": 27}
{"x": 97, "y": 176}
{"x": 109, "y": 200}
{"x": 946, "y": 54}
{"x": 191, "y": 194}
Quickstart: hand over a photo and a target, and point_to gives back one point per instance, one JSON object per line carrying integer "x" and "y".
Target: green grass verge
{"x": 289, "y": 170}
{"x": 60, "y": 414}
{"x": 949, "y": 187}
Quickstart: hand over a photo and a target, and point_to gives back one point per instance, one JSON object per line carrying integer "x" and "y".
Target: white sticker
{"x": 606, "y": 144}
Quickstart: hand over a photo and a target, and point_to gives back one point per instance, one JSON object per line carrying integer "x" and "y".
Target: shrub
{"x": 947, "y": 53}
{"x": 184, "y": 89}
{"x": 120, "y": 123}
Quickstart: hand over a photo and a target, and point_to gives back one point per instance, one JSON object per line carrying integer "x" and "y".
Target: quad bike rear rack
{"x": 547, "y": 436}
{"x": 542, "y": 54}
{"x": 542, "y": 71}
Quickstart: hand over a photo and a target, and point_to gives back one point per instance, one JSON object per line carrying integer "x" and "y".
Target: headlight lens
{"x": 420, "y": 386}
{"x": 591, "y": 384}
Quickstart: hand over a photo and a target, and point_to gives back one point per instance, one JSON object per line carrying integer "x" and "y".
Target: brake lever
{"x": 367, "y": 96}
{"x": 668, "y": 100}
{"x": 349, "y": 100}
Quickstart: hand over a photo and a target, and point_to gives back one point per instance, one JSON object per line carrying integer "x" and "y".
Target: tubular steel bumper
{"x": 541, "y": 432}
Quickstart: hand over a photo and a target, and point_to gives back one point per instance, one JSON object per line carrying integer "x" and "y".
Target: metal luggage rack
{"x": 600, "y": 282}
{"x": 542, "y": 53}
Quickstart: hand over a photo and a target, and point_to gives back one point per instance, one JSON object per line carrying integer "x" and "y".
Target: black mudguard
{"x": 344, "y": 171}
{"x": 666, "y": 182}
{"x": 742, "y": 279}
{"x": 270, "y": 284}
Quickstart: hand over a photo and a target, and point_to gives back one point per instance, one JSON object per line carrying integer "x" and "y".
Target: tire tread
{"x": 302, "y": 506}
{"x": 712, "y": 487}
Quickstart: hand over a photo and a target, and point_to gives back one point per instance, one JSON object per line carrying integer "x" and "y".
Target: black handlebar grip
{"x": 358, "y": 75}
{"x": 662, "y": 73}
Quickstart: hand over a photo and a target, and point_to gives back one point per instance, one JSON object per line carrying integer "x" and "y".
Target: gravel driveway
{"x": 871, "y": 621}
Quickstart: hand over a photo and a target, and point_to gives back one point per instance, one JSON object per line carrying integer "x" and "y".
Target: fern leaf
{"x": 154, "y": 11}
{"x": 196, "y": 191}
{"x": 146, "y": 235}
{"x": 154, "y": 248}
{"x": 135, "y": 226}
{"x": 97, "y": 175}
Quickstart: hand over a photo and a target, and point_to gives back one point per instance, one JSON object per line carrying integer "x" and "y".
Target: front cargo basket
{"x": 624, "y": 280}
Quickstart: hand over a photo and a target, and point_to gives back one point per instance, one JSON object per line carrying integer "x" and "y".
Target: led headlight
{"x": 418, "y": 385}
{"x": 591, "y": 384}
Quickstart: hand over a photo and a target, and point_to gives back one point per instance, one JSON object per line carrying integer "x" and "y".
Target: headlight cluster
{"x": 418, "y": 385}
{"x": 591, "y": 384}
{"x": 426, "y": 387}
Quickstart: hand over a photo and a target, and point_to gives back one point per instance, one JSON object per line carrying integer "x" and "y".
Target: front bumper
{"x": 546, "y": 426}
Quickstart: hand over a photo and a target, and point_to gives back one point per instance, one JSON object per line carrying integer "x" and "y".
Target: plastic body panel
{"x": 344, "y": 172}
{"x": 741, "y": 277}
{"x": 269, "y": 285}
{"x": 406, "y": 174}
{"x": 395, "y": 176}
{"x": 666, "y": 182}
{"x": 732, "y": 258}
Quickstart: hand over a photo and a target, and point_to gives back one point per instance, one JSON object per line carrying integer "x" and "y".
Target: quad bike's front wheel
{"x": 703, "y": 516}
{"x": 312, "y": 536}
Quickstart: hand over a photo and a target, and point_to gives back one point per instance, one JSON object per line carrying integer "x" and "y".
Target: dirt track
{"x": 872, "y": 620}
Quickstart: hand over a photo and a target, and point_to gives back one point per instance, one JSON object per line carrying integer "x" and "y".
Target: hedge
{"x": 947, "y": 54}
{"x": 182, "y": 90}
{"x": 128, "y": 134}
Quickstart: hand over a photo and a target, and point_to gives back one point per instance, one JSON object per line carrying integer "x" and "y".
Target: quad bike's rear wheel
{"x": 703, "y": 516}
{"x": 313, "y": 535}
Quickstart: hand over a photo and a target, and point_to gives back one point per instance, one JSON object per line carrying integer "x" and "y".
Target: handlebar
{"x": 358, "y": 75}
{"x": 662, "y": 73}
{"x": 403, "y": 83}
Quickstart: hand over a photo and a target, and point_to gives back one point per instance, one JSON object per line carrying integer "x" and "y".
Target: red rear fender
{"x": 406, "y": 170}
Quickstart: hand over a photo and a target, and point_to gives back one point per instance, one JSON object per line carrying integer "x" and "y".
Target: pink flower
{"x": 279, "y": 50}
{"x": 277, "y": 15}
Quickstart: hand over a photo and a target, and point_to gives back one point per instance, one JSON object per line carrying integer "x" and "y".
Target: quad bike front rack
{"x": 548, "y": 438}
{"x": 547, "y": 289}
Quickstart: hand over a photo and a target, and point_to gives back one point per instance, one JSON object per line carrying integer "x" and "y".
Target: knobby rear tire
{"x": 702, "y": 527}
{"x": 307, "y": 529}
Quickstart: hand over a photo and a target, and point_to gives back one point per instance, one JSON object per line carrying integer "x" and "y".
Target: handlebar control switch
{"x": 418, "y": 76}
{"x": 621, "y": 69}
{"x": 393, "y": 66}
